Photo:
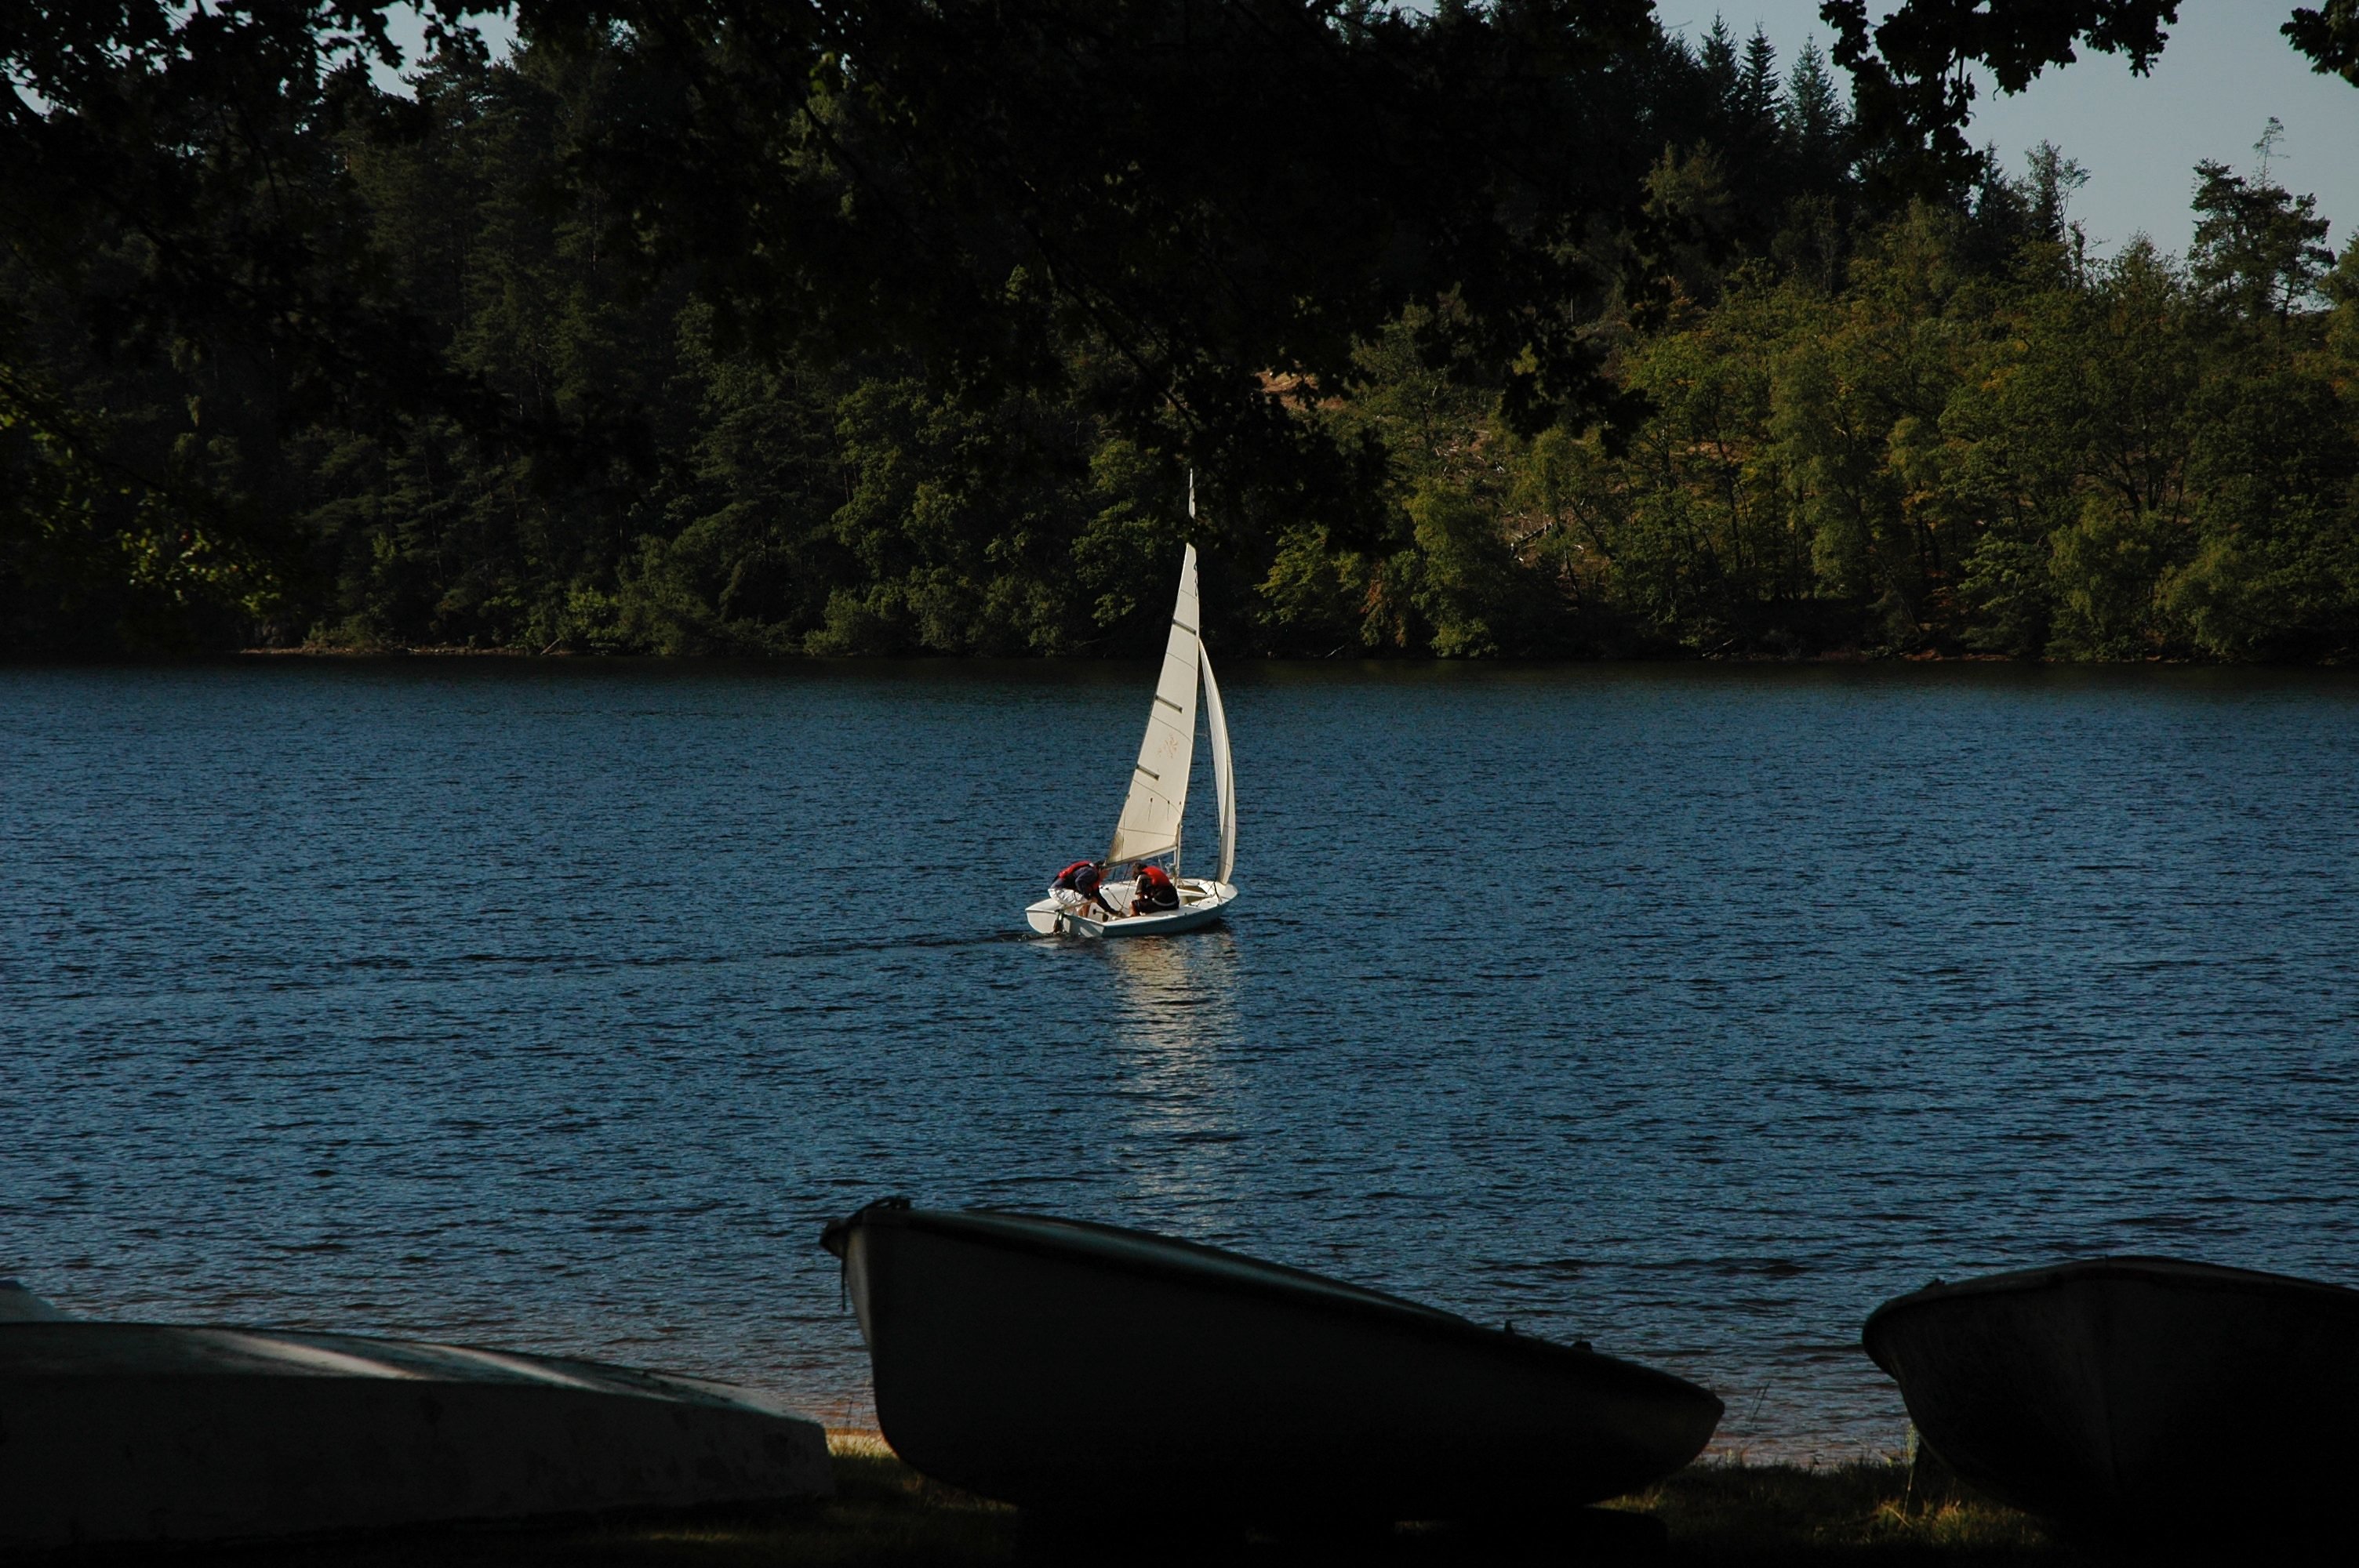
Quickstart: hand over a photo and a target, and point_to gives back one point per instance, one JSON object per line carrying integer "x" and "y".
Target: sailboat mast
{"x": 1179, "y": 828}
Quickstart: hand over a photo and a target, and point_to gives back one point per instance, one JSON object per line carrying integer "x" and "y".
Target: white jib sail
{"x": 1225, "y": 774}
{"x": 1158, "y": 785}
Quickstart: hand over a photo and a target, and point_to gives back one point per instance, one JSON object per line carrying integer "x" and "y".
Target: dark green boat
{"x": 1083, "y": 1368}
{"x": 2131, "y": 1397}
{"x": 124, "y": 1433}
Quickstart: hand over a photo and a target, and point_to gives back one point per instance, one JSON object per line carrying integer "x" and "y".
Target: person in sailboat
{"x": 1076, "y": 888}
{"x": 1157, "y": 891}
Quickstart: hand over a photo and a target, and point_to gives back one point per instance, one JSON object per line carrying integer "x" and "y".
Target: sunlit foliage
{"x": 895, "y": 328}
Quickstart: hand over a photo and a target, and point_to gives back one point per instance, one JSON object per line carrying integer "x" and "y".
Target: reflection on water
{"x": 1175, "y": 1034}
{"x": 1178, "y": 993}
{"x": 559, "y": 1005}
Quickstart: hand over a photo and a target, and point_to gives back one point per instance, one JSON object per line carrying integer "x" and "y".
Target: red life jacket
{"x": 1156, "y": 888}
{"x": 1082, "y": 876}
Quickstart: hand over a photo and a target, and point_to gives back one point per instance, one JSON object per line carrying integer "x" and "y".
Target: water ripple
{"x": 1690, "y": 1011}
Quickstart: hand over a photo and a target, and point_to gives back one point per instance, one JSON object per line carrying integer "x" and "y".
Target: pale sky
{"x": 2223, "y": 72}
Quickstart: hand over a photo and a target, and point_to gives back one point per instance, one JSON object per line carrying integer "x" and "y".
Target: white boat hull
{"x": 1200, "y": 903}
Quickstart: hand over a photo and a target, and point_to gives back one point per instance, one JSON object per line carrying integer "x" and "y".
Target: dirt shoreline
{"x": 886, "y": 1514}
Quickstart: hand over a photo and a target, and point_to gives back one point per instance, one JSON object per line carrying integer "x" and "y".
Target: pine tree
{"x": 1814, "y": 120}
{"x": 1756, "y": 89}
{"x": 1722, "y": 77}
{"x": 2258, "y": 247}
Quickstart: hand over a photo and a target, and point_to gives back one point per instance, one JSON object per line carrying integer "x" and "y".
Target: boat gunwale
{"x": 408, "y": 1363}
{"x": 1198, "y": 915}
{"x": 2177, "y": 1273}
{"x": 1253, "y": 1277}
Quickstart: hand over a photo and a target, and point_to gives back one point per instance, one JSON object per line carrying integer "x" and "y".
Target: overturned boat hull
{"x": 147, "y": 1432}
{"x": 1085, "y": 1369}
{"x": 2131, "y": 1396}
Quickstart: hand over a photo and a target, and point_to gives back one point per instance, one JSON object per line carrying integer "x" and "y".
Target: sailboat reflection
{"x": 1181, "y": 1101}
{"x": 1178, "y": 996}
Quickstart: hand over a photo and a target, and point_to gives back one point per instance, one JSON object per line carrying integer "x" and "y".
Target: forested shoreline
{"x": 1520, "y": 330}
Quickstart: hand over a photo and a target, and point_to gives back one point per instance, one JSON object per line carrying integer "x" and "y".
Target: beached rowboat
{"x": 2135, "y": 1397}
{"x": 1081, "y": 1367}
{"x": 134, "y": 1431}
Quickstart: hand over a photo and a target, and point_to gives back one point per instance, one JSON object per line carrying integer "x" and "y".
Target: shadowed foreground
{"x": 885, "y": 1513}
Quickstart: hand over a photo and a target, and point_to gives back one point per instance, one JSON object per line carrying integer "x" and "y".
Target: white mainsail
{"x": 1159, "y": 784}
{"x": 1224, "y": 775}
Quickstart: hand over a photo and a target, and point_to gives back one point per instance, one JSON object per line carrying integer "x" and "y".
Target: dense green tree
{"x": 2257, "y": 247}
{"x": 1523, "y": 328}
{"x": 2274, "y": 466}
{"x": 2329, "y": 36}
{"x": 1913, "y": 89}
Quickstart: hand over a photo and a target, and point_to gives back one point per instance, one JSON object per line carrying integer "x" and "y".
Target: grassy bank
{"x": 885, "y": 1513}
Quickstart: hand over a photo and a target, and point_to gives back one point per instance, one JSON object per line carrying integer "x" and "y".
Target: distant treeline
{"x": 1526, "y": 329}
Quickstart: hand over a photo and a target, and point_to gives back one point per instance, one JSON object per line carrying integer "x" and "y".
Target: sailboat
{"x": 1150, "y": 822}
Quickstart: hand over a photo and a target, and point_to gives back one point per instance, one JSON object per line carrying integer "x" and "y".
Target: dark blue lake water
{"x": 1692, "y": 1010}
